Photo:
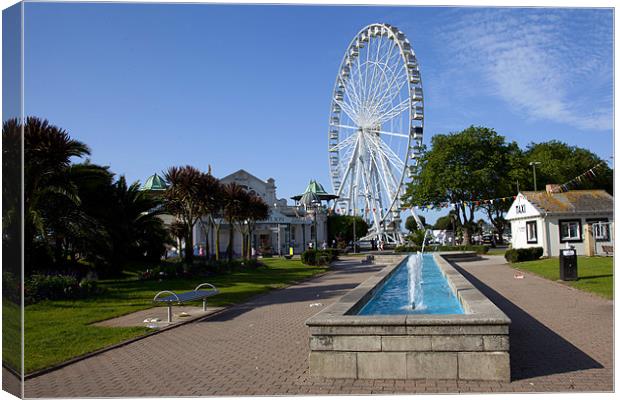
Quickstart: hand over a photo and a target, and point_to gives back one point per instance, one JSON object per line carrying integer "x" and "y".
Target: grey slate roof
{"x": 573, "y": 201}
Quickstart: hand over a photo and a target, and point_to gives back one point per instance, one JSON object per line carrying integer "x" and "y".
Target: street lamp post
{"x": 354, "y": 233}
{"x": 316, "y": 204}
{"x": 534, "y": 164}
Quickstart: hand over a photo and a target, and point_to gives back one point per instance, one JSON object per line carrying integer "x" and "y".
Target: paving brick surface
{"x": 137, "y": 318}
{"x": 561, "y": 340}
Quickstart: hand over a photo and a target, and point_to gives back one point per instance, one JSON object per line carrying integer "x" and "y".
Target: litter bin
{"x": 568, "y": 264}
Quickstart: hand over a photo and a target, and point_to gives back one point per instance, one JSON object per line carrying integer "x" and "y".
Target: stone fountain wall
{"x": 472, "y": 346}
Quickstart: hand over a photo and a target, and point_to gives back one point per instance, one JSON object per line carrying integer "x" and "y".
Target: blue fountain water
{"x": 425, "y": 286}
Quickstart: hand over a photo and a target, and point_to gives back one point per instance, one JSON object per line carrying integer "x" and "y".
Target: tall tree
{"x": 446, "y": 222}
{"x": 185, "y": 198}
{"x": 48, "y": 151}
{"x": 340, "y": 227}
{"x": 412, "y": 225}
{"x": 256, "y": 210}
{"x": 460, "y": 169}
{"x": 559, "y": 163}
{"x": 235, "y": 200}
{"x": 212, "y": 202}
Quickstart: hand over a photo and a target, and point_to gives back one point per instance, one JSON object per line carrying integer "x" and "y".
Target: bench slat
{"x": 188, "y": 296}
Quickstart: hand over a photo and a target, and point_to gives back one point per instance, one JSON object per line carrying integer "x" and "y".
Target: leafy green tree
{"x": 446, "y": 222}
{"x": 116, "y": 222}
{"x": 340, "y": 228}
{"x": 82, "y": 228}
{"x": 462, "y": 168}
{"x": 560, "y": 163}
{"x": 417, "y": 237}
{"x": 75, "y": 210}
{"x": 412, "y": 225}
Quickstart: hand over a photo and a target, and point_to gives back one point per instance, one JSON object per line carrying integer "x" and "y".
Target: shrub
{"x": 404, "y": 248}
{"x": 11, "y": 288}
{"x": 537, "y": 252}
{"x": 319, "y": 257}
{"x": 200, "y": 267}
{"x": 308, "y": 257}
{"x": 57, "y": 287}
{"x": 525, "y": 254}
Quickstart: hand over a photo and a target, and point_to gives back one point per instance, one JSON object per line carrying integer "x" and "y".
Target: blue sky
{"x": 148, "y": 86}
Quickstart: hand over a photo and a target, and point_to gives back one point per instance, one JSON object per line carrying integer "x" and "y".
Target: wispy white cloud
{"x": 547, "y": 64}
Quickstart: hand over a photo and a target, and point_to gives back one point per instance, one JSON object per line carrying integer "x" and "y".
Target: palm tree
{"x": 178, "y": 230}
{"x": 211, "y": 203}
{"x": 185, "y": 198}
{"x": 47, "y": 157}
{"x": 256, "y": 210}
{"x": 235, "y": 198}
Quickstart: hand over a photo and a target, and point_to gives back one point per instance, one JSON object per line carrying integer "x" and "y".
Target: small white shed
{"x": 556, "y": 220}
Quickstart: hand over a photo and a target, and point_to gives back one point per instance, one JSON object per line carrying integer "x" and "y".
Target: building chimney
{"x": 553, "y": 188}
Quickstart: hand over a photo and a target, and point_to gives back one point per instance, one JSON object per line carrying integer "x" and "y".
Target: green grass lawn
{"x": 56, "y": 331}
{"x": 11, "y": 334}
{"x": 595, "y": 273}
{"x": 497, "y": 251}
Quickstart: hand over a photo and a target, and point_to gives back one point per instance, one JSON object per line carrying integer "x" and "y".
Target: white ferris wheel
{"x": 375, "y": 128}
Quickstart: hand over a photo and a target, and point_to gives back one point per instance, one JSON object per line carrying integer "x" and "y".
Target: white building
{"x": 287, "y": 226}
{"x": 556, "y": 220}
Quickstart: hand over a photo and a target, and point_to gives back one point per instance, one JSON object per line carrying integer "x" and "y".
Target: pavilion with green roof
{"x": 315, "y": 191}
{"x": 155, "y": 183}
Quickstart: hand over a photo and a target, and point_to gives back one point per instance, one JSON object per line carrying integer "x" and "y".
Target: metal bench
{"x": 181, "y": 298}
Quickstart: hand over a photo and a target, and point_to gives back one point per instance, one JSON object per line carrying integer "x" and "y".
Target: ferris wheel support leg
{"x": 417, "y": 219}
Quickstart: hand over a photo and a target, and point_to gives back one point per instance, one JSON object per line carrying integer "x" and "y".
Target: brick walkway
{"x": 561, "y": 340}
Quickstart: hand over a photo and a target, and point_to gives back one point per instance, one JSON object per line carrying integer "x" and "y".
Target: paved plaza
{"x": 561, "y": 340}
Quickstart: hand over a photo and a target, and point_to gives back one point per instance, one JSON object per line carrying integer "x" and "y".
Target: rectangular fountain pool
{"x": 426, "y": 289}
{"x": 373, "y": 333}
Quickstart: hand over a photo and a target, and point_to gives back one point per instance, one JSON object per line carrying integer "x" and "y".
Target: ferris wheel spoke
{"x": 382, "y": 63}
{"x": 389, "y": 153}
{"x": 392, "y": 90}
{"x": 380, "y": 169}
{"x": 401, "y": 135}
{"x": 394, "y": 111}
{"x": 349, "y": 141}
{"x": 348, "y": 110}
{"x": 385, "y": 162}
{"x": 375, "y": 69}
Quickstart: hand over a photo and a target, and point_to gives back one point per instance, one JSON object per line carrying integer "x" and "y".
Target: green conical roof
{"x": 317, "y": 189}
{"x": 310, "y": 198}
{"x": 155, "y": 183}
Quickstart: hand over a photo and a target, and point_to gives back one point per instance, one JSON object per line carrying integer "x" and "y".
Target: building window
{"x": 570, "y": 230}
{"x": 600, "y": 228}
{"x": 531, "y": 232}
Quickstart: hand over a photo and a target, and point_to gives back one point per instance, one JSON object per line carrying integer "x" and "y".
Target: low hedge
{"x": 198, "y": 268}
{"x": 57, "y": 287}
{"x": 480, "y": 249}
{"x": 319, "y": 257}
{"x": 525, "y": 254}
